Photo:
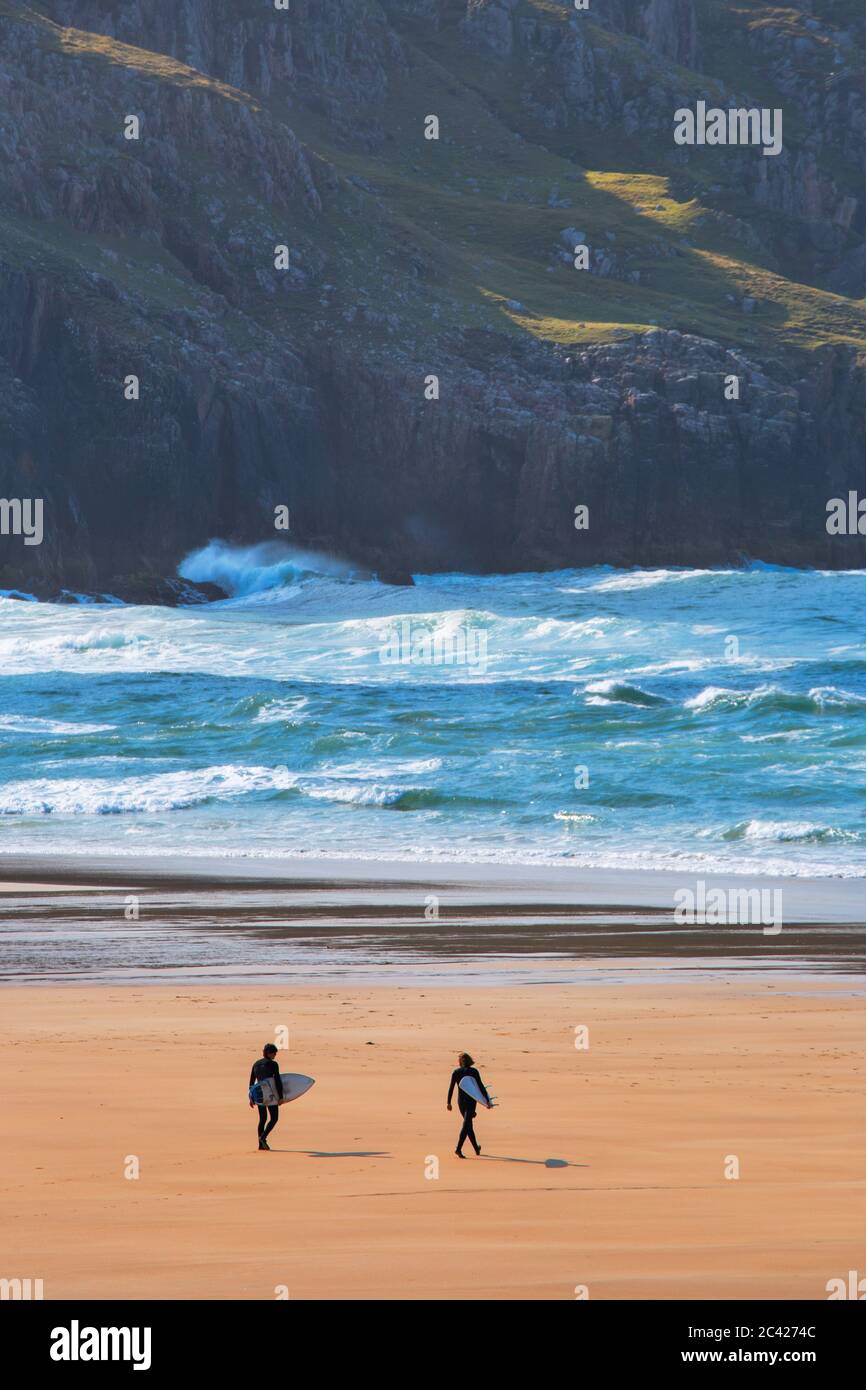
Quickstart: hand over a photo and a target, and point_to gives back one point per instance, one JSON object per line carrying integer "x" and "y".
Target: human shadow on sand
{"x": 338, "y": 1153}
{"x": 543, "y": 1162}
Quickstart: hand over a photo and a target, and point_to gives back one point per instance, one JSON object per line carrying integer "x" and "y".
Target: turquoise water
{"x": 653, "y": 718}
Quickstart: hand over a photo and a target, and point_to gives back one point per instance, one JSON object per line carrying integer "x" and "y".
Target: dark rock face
{"x": 305, "y": 388}
{"x": 170, "y": 593}
{"x": 143, "y": 590}
{"x": 337, "y": 59}
{"x": 639, "y": 432}
{"x": 668, "y": 27}
{"x": 400, "y": 579}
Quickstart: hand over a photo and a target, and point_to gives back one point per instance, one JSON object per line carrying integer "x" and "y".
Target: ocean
{"x": 698, "y": 719}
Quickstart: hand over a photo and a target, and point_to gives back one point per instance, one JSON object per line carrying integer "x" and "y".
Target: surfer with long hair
{"x": 468, "y": 1108}
{"x": 266, "y": 1069}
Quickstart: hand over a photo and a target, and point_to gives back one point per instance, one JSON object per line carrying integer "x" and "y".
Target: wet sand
{"x": 828, "y": 900}
{"x": 207, "y": 922}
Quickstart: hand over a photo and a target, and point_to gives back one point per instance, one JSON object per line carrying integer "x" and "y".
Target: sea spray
{"x": 254, "y": 569}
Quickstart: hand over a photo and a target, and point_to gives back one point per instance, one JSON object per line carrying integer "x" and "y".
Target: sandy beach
{"x": 603, "y": 1167}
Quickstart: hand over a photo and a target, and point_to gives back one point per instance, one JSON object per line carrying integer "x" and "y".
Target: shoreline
{"x": 807, "y": 900}
{"x": 94, "y": 922}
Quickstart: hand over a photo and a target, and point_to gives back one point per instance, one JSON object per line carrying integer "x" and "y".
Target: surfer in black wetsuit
{"x": 468, "y": 1107}
{"x": 264, "y": 1069}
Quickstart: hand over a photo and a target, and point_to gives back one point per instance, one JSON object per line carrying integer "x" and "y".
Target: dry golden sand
{"x": 675, "y": 1080}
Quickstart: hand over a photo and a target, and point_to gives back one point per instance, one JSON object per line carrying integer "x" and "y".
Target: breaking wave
{"x": 253, "y": 569}
{"x": 271, "y": 725}
{"x": 618, "y": 692}
{"x": 789, "y": 832}
{"x": 772, "y": 699}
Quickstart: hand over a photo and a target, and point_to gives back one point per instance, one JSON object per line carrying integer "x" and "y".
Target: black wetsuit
{"x": 262, "y": 1069}
{"x": 468, "y": 1107}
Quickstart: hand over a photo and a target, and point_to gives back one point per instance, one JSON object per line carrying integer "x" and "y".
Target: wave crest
{"x": 773, "y": 699}
{"x": 253, "y": 569}
{"x": 788, "y": 832}
{"x": 620, "y": 693}
{"x": 164, "y": 791}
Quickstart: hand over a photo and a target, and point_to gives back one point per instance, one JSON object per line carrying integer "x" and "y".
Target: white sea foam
{"x": 782, "y": 736}
{"x": 819, "y": 697}
{"x": 388, "y": 767}
{"x": 646, "y": 579}
{"x": 101, "y": 639}
{"x": 353, "y": 793}
{"x": 166, "y": 791}
{"x": 34, "y": 724}
{"x": 788, "y": 832}
{"x": 828, "y": 695}
{"x": 283, "y": 711}
{"x": 652, "y": 857}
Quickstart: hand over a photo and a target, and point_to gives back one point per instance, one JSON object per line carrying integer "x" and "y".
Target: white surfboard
{"x": 295, "y": 1084}
{"x": 469, "y": 1086}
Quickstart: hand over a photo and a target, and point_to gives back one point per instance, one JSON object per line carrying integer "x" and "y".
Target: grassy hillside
{"x": 478, "y": 198}
{"x": 460, "y": 232}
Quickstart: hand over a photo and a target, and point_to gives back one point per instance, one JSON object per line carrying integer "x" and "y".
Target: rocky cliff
{"x": 280, "y": 293}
